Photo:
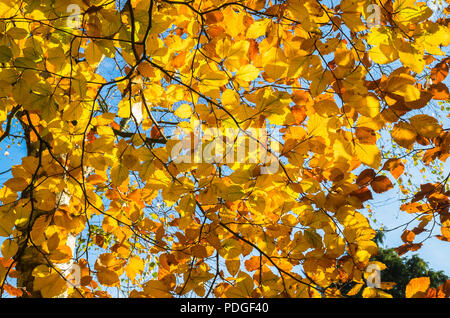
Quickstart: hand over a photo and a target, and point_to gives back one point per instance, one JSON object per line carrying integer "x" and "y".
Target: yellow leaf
{"x": 5, "y": 54}
{"x": 39, "y": 227}
{"x": 274, "y": 62}
{"x": 93, "y": 54}
{"x": 372, "y": 123}
{"x": 184, "y": 111}
{"x": 317, "y": 126}
{"x": 124, "y": 108}
{"x": 46, "y": 200}
{"x": 7, "y": 10}
{"x": 22, "y": 214}
{"x": 355, "y": 289}
{"x": 17, "y": 33}
{"x": 247, "y": 73}
{"x": 134, "y": 267}
{"x": 370, "y": 292}
{"x": 326, "y": 108}
{"x": 233, "y": 266}
{"x": 130, "y": 161}
{"x": 243, "y": 288}
{"x": 199, "y": 251}
{"x": 48, "y": 281}
{"x": 411, "y": 57}
{"x": 258, "y": 29}
{"x": 362, "y": 256}
{"x": 230, "y": 249}
{"x": 16, "y": 184}
{"x": 62, "y": 254}
{"x": 370, "y": 155}
{"x": 107, "y": 277}
{"x": 157, "y": 289}
{"x": 411, "y": 12}
{"x": 318, "y": 84}
{"x": 426, "y": 125}
{"x": 369, "y": 106}
{"x": 404, "y": 134}
{"x": 409, "y": 92}
{"x": 6, "y": 223}
{"x": 108, "y": 268}
{"x": 9, "y": 248}
{"x": 209, "y": 77}
{"x": 232, "y": 193}
{"x": 383, "y": 54}
{"x": 310, "y": 185}
{"x": 119, "y": 173}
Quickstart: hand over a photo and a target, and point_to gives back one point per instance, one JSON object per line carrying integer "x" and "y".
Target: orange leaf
{"x": 252, "y": 263}
{"x": 408, "y": 236}
{"x": 439, "y": 72}
{"x": 445, "y": 288}
{"x": 366, "y": 135}
{"x": 440, "y": 91}
{"x": 178, "y": 61}
{"x": 417, "y": 287}
{"x": 13, "y": 291}
{"x": 395, "y": 167}
{"x": 299, "y": 113}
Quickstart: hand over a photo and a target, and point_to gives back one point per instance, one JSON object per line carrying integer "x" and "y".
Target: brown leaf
{"x": 440, "y": 91}
{"x": 213, "y": 17}
{"x": 425, "y": 190}
{"x": 333, "y": 174}
{"x": 362, "y": 194}
{"x": 199, "y": 251}
{"x": 402, "y": 249}
{"x": 381, "y": 184}
{"x": 365, "y": 177}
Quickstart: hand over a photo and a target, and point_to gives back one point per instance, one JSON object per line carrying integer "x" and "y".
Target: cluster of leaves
{"x": 402, "y": 270}
{"x": 100, "y": 169}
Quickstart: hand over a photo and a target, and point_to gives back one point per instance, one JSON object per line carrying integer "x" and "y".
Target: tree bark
{"x": 29, "y": 255}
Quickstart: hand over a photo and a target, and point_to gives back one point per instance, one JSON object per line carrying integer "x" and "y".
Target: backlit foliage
{"x": 97, "y": 104}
